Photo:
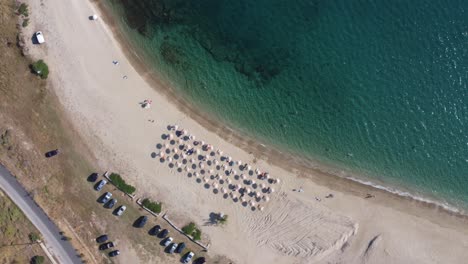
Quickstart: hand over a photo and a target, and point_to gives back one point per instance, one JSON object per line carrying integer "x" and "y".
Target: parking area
{"x": 167, "y": 240}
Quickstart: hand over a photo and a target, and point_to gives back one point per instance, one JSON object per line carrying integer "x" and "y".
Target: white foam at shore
{"x": 443, "y": 205}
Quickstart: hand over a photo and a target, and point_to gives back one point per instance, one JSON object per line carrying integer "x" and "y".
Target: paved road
{"x": 62, "y": 251}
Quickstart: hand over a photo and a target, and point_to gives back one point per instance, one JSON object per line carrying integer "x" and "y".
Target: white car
{"x": 121, "y": 210}
{"x": 39, "y": 37}
{"x": 167, "y": 241}
{"x": 188, "y": 257}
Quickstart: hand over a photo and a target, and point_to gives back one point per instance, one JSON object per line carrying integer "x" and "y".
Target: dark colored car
{"x": 52, "y": 153}
{"x": 180, "y": 247}
{"x": 114, "y": 253}
{"x": 102, "y": 239}
{"x": 93, "y": 177}
{"x": 111, "y": 203}
{"x": 141, "y": 221}
{"x": 106, "y": 246}
{"x": 155, "y": 230}
{"x": 200, "y": 260}
{"x": 163, "y": 233}
{"x": 100, "y": 184}
{"x": 172, "y": 248}
{"x": 105, "y": 197}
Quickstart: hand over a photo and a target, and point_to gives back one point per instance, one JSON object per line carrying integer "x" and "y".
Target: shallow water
{"x": 378, "y": 88}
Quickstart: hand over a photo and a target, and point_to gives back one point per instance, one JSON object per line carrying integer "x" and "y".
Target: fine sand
{"x": 294, "y": 227}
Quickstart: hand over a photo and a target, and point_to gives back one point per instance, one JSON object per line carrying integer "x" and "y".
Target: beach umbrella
{"x": 266, "y": 198}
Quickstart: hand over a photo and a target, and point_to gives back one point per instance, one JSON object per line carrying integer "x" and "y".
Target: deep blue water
{"x": 376, "y": 87}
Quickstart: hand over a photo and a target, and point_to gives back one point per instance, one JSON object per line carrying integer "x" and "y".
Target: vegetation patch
{"x": 192, "y": 230}
{"x": 41, "y": 69}
{"x": 152, "y": 206}
{"x": 37, "y": 260}
{"x": 121, "y": 184}
{"x": 23, "y": 9}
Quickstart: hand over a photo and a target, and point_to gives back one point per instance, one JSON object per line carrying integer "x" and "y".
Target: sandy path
{"x": 294, "y": 228}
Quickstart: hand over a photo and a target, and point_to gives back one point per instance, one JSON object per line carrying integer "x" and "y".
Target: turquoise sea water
{"x": 376, "y": 87}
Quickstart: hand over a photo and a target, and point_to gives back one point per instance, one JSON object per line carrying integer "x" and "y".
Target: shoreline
{"x": 294, "y": 227}
{"x": 321, "y": 174}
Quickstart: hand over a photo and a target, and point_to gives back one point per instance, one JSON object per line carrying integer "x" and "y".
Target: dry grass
{"x": 32, "y": 123}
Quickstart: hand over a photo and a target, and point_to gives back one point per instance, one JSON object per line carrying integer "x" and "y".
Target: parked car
{"x": 167, "y": 241}
{"x": 101, "y": 239}
{"x": 200, "y": 260}
{"x": 52, "y": 153}
{"x": 100, "y": 184}
{"x": 188, "y": 257}
{"x": 111, "y": 203}
{"x": 106, "y": 246}
{"x": 163, "y": 233}
{"x": 180, "y": 247}
{"x": 114, "y": 253}
{"x": 155, "y": 230}
{"x": 141, "y": 221}
{"x": 121, "y": 210}
{"x": 106, "y": 197}
{"x": 93, "y": 177}
{"x": 39, "y": 37}
{"x": 173, "y": 248}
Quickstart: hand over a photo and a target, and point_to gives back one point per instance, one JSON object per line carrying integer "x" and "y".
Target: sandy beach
{"x": 103, "y": 100}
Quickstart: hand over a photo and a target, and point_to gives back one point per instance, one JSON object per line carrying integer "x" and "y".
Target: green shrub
{"x": 25, "y": 22}
{"x": 192, "y": 230}
{"x": 40, "y": 68}
{"x": 188, "y": 229}
{"x": 38, "y": 260}
{"x": 34, "y": 237}
{"x": 23, "y": 9}
{"x": 152, "y": 206}
{"x": 121, "y": 184}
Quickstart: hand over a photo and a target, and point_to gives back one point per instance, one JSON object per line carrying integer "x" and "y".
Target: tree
{"x": 37, "y": 260}
{"x": 34, "y": 237}
{"x": 40, "y": 68}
